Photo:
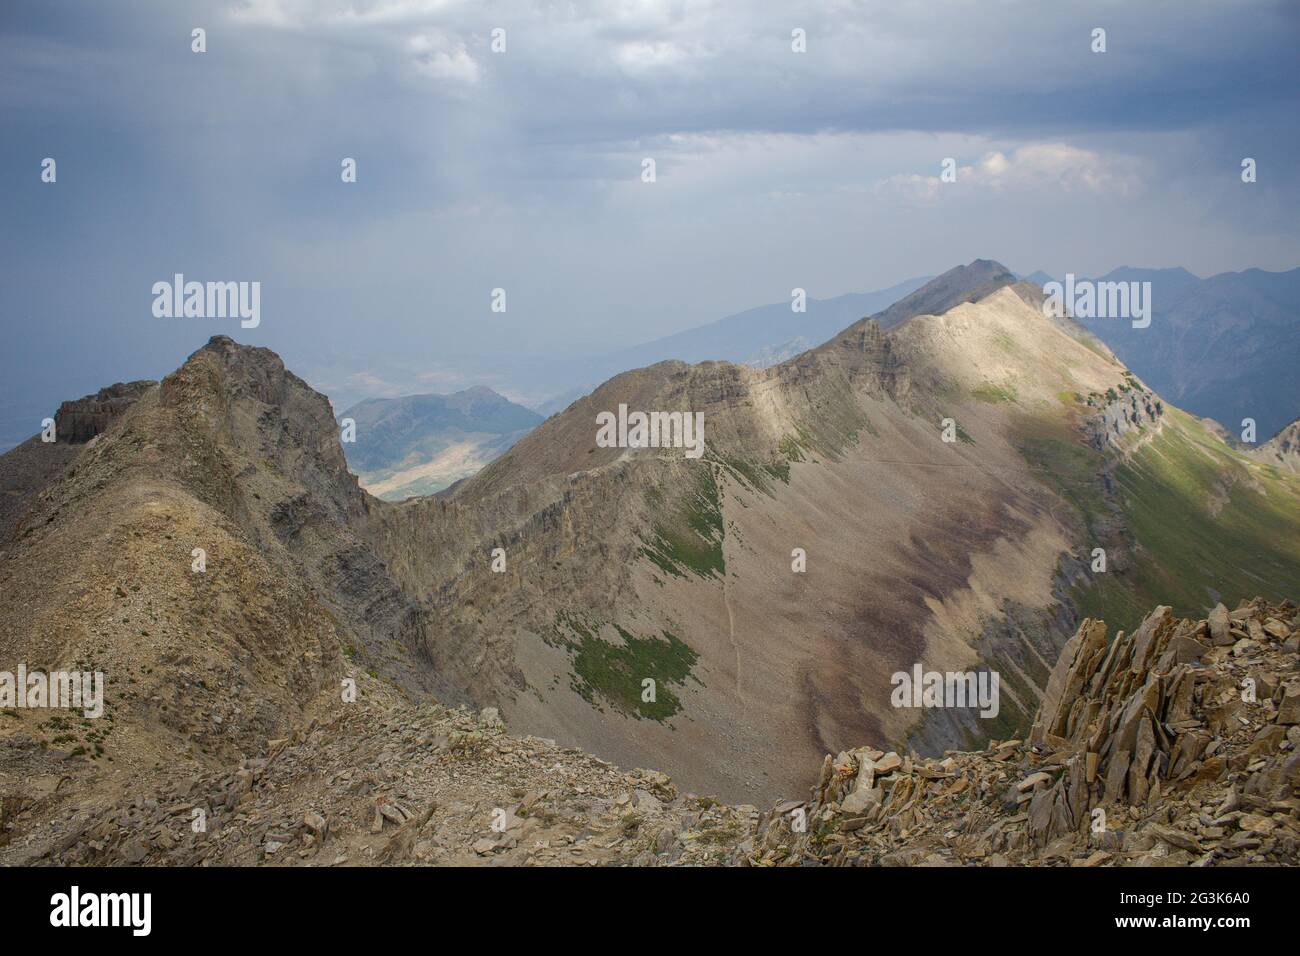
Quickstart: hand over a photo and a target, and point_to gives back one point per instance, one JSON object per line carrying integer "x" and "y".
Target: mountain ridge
{"x": 556, "y": 471}
{"x": 622, "y": 564}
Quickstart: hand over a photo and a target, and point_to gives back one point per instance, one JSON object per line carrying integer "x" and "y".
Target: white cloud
{"x": 439, "y": 58}
{"x": 641, "y": 56}
{"x": 1071, "y": 168}
{"x": 1044, "y": 165}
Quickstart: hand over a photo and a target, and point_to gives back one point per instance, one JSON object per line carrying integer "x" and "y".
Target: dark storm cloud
{"x": 521, "y": 169}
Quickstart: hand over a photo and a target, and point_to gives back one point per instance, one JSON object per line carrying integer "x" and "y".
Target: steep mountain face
{"x": 197, "y": 553}
{"x": 1225, "y": 347}
{"x": 630, "y": 564}
{"x": 933, "y": 494}
{"x": 421, "y": 444}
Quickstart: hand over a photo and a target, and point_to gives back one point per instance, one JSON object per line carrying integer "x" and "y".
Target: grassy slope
{"x": 609, "y": 673}
{"x": 690, "y": 538}
{"x": 1209, "y": 524}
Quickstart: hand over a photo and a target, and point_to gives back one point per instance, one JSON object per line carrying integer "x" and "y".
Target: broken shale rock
{"x": 1160, "y": 747}
{"x": 1166, "y": 746}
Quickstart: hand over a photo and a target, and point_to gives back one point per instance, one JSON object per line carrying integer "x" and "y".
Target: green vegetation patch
{"x": 1197, "y": 519}
{"x": 1007, "y": 344}
{"x": 779, "y": 470}
{"x": 1207, "y": 520}
{"x": 751, "y": 474}
{"x": 836, "y": 429}
{"x": 996, "y": 394}
{"x": 614, "y": 675}
{"x": 690, "y": 541}
{"x": 792, "y": 449}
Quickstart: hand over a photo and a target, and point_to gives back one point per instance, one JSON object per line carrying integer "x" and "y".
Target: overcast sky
{"x": 522, "y": 169}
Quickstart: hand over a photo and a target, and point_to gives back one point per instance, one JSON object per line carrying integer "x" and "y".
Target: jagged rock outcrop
{"x": 1120, "y": 413}
{"x": 1283, "y": 449}
{"x": 1176, "y": 744}
{"x": 35, "y": 465}
{"x": 80, "y": 420}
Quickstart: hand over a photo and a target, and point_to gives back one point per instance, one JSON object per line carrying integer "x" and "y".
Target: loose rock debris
{"x": 1177, "y": 744}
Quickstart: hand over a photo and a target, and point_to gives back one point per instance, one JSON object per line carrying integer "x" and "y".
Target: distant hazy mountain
{"x": 1039, "y": 278}
{"x": 420, "y": 444}
{"x": 760, "y": 336}
{"x": 737, "y": 337}
{"x": 776, "y": 354}
{"x": 1226, "y": 347}
{"x": 558, "y": 403}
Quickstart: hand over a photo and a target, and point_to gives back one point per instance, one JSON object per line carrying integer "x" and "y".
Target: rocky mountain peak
{"x": 242, "y": 400}
{"x": 967, "y": 283}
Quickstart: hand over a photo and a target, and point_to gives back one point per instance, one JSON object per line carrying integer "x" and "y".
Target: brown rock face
{"x": 77, "y": 422}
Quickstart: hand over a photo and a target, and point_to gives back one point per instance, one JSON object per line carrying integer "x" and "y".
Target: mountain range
{"x": 935, "y": 493}
{"x": 1225, "y": 347}
{"x": 421, "y": 444}
{"x": 419, "y": 449}
{"x": 1220, "y": 347}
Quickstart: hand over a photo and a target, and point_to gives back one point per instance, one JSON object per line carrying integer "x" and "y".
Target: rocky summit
{"x": 1177, "y": 744}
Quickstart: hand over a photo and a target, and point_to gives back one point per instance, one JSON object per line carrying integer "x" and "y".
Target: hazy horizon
{"x": 775, "y": 169}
